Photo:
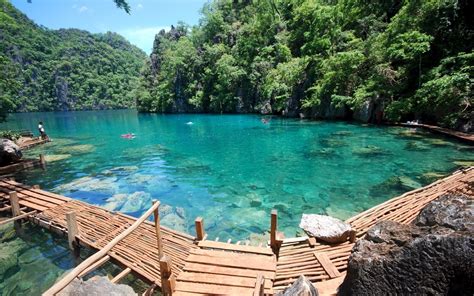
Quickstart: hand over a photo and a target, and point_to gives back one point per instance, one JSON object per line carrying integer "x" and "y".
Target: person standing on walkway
{"x": 43, "y": 134}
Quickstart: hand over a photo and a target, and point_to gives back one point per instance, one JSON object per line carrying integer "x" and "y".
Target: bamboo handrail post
{"x": 275, "y": 241}
{"x": 156, "y": 215}
{"x": 15, "y": 203}
{"x": 168, "y": 280}
{"x": 42, "y": 161}
{"x": 72, "y": 230}
{"x": 200, "y": 233}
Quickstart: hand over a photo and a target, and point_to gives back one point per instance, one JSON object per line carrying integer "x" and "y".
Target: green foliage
{"x": 67, "y": 69}
{"x": 410, "y": 58}
{"x": 11, "y": 135}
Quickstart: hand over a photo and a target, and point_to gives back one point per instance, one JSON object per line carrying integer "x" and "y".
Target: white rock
{"x": 325, "y": 228}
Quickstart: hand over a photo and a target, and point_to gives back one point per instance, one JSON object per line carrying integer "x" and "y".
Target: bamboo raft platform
{"x": 29, "y": 143}
{"x": 181, "y": 264}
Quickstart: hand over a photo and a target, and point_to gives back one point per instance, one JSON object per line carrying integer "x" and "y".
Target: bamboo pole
{"x": 168, "y": 281}
{"x": 273, "y": 228}
{"x": 200, "y": 233}
{"x": 15, "y": 203}
{"x": 121, "y": 275}
{"x": 76, "y": 271}
{"x": 159, "y": 242}
{"x": 72, "y": 230}
{"x": 17, "y": 217}
{"x": 42, "y": 161}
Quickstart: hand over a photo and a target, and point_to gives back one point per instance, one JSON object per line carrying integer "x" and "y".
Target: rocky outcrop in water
{"x": 433, "y": 256}
{"x": 96, "y": 286}
{"x": 302, "y": 287}
{"x": 9, "y": 152}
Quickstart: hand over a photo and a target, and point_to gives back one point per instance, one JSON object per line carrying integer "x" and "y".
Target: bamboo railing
{"x": 102, "y": 256}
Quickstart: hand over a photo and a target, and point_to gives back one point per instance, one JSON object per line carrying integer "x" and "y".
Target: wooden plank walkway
{"x": 203, "y": 267}
{"x": 297, "y": 256}
{"x": 32, "y": 142}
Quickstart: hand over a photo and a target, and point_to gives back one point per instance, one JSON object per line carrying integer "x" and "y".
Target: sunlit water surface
{"x": 230, "y": 169}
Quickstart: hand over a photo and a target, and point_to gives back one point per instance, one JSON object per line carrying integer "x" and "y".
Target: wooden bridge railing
{"x": 102, "y": 256}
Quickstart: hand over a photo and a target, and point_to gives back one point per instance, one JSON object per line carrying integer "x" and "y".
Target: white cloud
{"x": 142, "y": 37}
{"x": 83, "y": 9}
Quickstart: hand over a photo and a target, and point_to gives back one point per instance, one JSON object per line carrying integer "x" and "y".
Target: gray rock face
{"x": 302, "y": 287}
{"x": 435, "y": 256}
{"x": 96, "y": 286}
{"x": 364, "y": 112}
{"x": 266, "y": 108}
{"x": 455, "y": 212}
{"x": 9, "y": 152}
{"x": 325, "y": 228}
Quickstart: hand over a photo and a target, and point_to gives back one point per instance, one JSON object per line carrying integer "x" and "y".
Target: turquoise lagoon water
{"x": 232, "y": 169}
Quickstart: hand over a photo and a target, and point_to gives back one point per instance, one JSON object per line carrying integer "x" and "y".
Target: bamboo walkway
{"x": 300, "y": 256}
{"x": 29, "y": 143}
{"x": 465, "y": 137}
{"x": 196, "y": 266}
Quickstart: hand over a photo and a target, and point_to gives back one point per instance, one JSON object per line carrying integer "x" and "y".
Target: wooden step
{"x": 211, "y": 269}
{"x": 225, "y": 280}
{"x": 235, "y": 248}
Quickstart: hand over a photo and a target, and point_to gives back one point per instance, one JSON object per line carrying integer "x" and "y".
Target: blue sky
{"x": 145, "y": 20}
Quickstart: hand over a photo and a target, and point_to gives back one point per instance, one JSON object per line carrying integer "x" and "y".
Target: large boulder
{"x": 325, "y": 228}
{"x": 9, "y": 152}
{"x": 451, "y": 211}
{"x": 96, "y": 286}
{"x": 302, "y": 287}
{"x": 433, "y": 256}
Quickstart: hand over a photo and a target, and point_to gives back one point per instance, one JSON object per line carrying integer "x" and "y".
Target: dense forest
{"x": 67, "y": 69}
{"x": 368, "y": 60}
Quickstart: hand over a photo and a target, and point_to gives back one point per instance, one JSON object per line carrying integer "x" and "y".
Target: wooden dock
{"x": 29, "y": 143}
{"x": 464, "y": 137}
{"x": 181, "y": 264}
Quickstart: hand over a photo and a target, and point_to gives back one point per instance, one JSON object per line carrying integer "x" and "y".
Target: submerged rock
{"x": 302, "y": 287}
{"x": 438, "y": 142}
{"x": 431, "y": 177}
{"x": 332, "y": 143}
{"x": 369, "y": 150}
{"x": 78, "y": 149}
{"x": 96, "y": 286}
{"x": 57, "y": 157}
{"x": 115, "y": 202}
{"x": 106, "y": 185}
{"x": 408, "y": 182}
{"x": 416, "y": 146}
{"x": 9, "y": 152}
{"x": 464, "y": 163}
{"x": 136, "y": 201}
{"x": 9, "y": 255}
{"x": 435, "y": 256}
{"x": 325, "y": 228}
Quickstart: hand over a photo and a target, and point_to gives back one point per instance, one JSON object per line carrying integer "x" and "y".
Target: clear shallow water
{"x": 231, "y": 170}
